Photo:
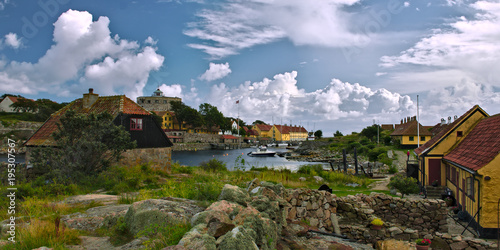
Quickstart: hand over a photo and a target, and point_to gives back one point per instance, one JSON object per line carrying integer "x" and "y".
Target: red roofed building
{"x": 263, "y": 130}
{"x": 228, "y": 139}
{"x": 410, "y": 134}
{"x": 473, "y": 174}
{"x": 152, "y": 143}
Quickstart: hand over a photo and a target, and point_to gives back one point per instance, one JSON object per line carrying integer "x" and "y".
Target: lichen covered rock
{"x": 234, "y": 194}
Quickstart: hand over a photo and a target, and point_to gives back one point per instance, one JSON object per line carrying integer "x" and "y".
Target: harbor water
{"x": 238, "y": 158}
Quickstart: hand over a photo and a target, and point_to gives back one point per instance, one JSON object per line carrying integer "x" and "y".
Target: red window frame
{"x": 136, "y": 124}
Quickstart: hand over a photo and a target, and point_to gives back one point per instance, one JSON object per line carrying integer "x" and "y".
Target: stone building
{"x": 157, "y": 102}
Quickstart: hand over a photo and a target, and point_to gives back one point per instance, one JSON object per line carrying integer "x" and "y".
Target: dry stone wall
{"x": 404, "y": 219}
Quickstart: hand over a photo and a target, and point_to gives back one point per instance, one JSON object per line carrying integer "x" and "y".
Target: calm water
{"x": 231, "y": 157}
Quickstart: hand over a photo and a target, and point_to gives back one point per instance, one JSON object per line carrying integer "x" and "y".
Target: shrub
{"x": 310, "y": 169}
{"x": 405, "y": 185}
{"x": 213, "y": 165}
{"x": 162, "y": 235}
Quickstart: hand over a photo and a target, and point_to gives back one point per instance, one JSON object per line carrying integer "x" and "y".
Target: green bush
{"x": 310, "y": 169}
{"x": 213, "y": 165}
{"x": 163, "y": 235}
{"x": 405, "y": 185}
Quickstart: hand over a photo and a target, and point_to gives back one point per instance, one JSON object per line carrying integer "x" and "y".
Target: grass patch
{"x": 43, "y": 233}
{"x": 163, "y": 235}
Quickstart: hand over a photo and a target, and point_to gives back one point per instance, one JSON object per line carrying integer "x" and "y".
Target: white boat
{"x": 262, "y": 151}
{"x": 282, "y": 145}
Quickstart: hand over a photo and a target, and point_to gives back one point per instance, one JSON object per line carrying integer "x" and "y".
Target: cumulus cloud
{"x": 216, "y": 71}
{"x": 84, "y": 54}
{"x": 280, "y": 97}
{"x": 458, "y": 62}
{"x": 13, "y": 40}
{"x": 231, "y": 26}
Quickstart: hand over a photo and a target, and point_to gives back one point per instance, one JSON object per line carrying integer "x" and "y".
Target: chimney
{"x": 443, "y": 121}
{"x": 89, "y": 99}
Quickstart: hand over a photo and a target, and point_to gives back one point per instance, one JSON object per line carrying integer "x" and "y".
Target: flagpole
{"x": 418, "y": 127}
{"x": 238, "y": 122}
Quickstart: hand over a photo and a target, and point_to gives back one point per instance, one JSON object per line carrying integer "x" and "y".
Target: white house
{"x": 6, "y": 102}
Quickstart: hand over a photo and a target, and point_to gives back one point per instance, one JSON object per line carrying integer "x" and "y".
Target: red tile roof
{"x": 283, "y": 129}
{"x": 445, "y": 131}
{"x": 228, "y": 137}
{"x": 480, "y": 146}
{"x": 264, "y": 127}
{"x": 111, "y": 104}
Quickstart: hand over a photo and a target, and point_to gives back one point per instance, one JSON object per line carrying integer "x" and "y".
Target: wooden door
{"x": 434, "y": 171}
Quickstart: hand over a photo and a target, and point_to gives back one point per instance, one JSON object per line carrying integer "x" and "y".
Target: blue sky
{"x": 325, "y": 64}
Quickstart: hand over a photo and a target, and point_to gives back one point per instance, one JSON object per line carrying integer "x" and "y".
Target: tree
{"x": 24, "y": 105}
{"x": 370, "y": 132}
{"x": 318, "y": 134}
{"x": 338, "y": 134}
{"x": 85, "y": 145}
{"x": 178, "y": 108}
{"x": 192, "y": 117}
{"x": 258, "y": 122}
{"x": 405, "y": 185}
{"x": 211, "y": 115}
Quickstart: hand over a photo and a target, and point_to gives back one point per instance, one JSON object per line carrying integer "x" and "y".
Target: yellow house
{"x": 408, "y": 135}
{"x": 263, "y": 130}
{"x": 169, "y": 122}
{"x": 430, "y": 154}
{"x": 298, "y": 133}
{"x": 473, "y": 174}
{"x": 280, "y": 133}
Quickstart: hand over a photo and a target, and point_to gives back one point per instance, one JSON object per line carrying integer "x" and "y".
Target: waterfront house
{"x": 410, "y": 133}
{"x": 280, "y": 133}
{"x": 152, "y": 143}
{"x": 228, "y": 139}
{"x": 263, "y": 130}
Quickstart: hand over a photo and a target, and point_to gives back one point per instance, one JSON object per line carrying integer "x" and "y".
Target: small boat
{"x": 262, "y": 151}
{"x": 282, "y": 144}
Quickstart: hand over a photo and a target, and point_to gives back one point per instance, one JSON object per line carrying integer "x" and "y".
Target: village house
{"x": 6, "y": 102}
{"x": 280, "y": 133}
{"x": 152, "y": 143}
{"x": 464, "y": 157}
{"x": 263, "y": 130}
{"x": 410, "y": 133}
{"x": 473, "y": 174}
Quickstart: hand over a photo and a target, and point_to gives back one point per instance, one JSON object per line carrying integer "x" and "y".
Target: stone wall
{"x": 403, "y": 218}
{"x": 159, "y": 157}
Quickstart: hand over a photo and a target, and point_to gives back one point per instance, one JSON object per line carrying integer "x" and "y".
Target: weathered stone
{"x": 318, "y": 179}
{"x": 292, "y": 214}
{"x": 253, "y": 184}
{"x": 459, "y": 245}
{"x": 230, "y": 208}
{"x": 144, "y": 213}
{"x": 217, "y": 228}
{"x": 238, "y": 238}
{"x": 197, "y": 238}
{"x": 438, "y": 243}
{"x": 234, "y": 194}
{"x": 302, "y": 179}
{"x": 207, "y": 215}
{"x": 95, "y": 217}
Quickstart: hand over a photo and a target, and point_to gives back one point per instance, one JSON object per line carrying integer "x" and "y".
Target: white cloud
{"x": 150, "y": 41}
{"x": 13, "y": 40}
{"x": 84, "y": 55}
{"x": 216, "y": 72}
{"x": 235, "y": 25}
{"x": 174, "y": 90}
{"x": 281, "y": 98}
{"x": 380, "y": 73}
{"x": 406, "y": 4}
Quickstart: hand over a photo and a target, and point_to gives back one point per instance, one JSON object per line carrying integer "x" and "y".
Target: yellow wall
{"x": 449, "y": 143}
{"x": 278, "y": 136}
{"x": 405, "y": 140}
{"x": 446, "y": 145}
{"x": 298, "y": 136}
{"x": 262, "y": 133}
{"x": 490, "y": 193}
{"x": 168, "y": 123}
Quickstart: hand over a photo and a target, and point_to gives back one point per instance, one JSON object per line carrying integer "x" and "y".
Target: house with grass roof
{"x": 153, "y": 145}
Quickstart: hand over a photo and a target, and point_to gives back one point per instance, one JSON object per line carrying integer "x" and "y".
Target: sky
{"x": 325, "y": 64}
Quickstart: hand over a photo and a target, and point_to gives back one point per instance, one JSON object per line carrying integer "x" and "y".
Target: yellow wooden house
{"x": 473, "y": 174}
{"x": 169, "y": 122}
{"x": 298, "y": 133}
{"x": 280, "y": 133}
{"x": 410, "y": 133}
{"x": 263, "y": 130}
{"x": 430, "y": 154}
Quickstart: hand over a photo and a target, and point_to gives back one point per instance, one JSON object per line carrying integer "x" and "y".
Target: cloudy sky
{"x": 323, "y": 64}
